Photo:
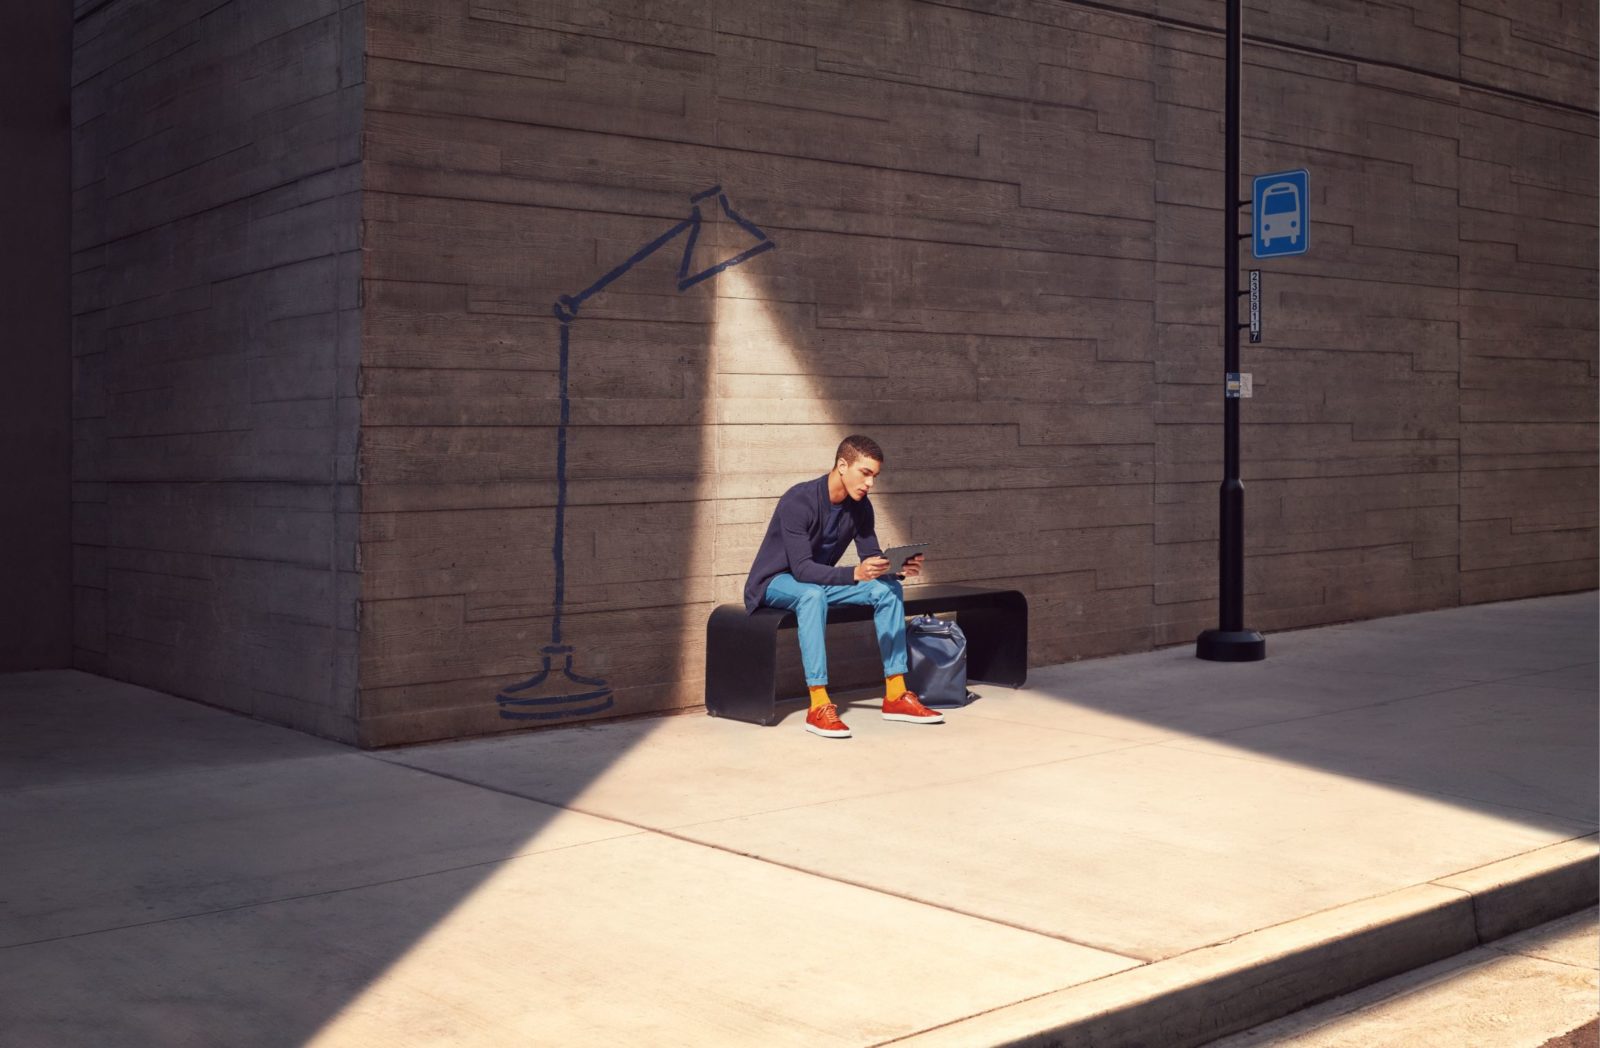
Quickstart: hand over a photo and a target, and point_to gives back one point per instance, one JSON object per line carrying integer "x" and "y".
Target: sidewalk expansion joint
{"x": 684, "y": 839}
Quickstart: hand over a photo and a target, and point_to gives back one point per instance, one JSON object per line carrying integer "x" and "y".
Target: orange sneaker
{"x": 824, "y": 721}
{"x": 910, "y": 708}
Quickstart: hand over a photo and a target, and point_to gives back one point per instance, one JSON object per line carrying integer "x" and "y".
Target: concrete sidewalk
{"x": 1145, "y": 850}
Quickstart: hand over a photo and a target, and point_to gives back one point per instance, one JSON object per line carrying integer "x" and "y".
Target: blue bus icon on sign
{"x": 1281, "y": 214}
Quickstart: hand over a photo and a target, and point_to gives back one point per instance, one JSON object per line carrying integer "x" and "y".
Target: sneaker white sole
{"x": 937, "y": 718}
{"x": 813, "y": 729}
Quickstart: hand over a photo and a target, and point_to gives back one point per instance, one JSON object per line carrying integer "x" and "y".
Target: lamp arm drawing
{"x": 567, "y": 306}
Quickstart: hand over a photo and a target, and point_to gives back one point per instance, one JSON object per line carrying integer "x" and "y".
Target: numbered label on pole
{"x": 1255, "y": 305}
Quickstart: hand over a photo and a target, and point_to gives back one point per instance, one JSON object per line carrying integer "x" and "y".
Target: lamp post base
{"x": 1230, "y": 646}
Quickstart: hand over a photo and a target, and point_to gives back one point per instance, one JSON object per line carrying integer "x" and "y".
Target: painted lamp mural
{"x": 551, "y": 693}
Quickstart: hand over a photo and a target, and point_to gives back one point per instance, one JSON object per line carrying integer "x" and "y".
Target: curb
{"x": 1215, "y": 991}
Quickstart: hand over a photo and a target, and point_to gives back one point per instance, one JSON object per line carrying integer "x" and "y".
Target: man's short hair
{"x": 856, "y": 446}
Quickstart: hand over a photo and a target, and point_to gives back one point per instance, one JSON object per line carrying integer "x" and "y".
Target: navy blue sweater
{"x": 794, "y": 540}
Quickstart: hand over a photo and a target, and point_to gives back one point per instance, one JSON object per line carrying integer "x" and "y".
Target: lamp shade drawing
{"x": 554, "y": 693}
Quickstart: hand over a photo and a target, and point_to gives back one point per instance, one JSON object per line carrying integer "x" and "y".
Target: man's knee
{"x": 884, "y": 590}
{"x": 811, "y": 597}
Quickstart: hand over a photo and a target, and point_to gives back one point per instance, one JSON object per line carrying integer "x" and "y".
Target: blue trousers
{"x": 810, "y": 605}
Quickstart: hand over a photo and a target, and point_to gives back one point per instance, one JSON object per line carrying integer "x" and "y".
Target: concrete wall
{"x": 1423, "y": 431}
{"x": 216, "y": 178}
{"x": 35, "y": 423}
{"x": 997, "y": 229}
{"x": 321, "y": 247}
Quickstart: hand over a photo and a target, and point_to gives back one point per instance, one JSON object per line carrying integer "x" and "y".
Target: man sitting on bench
{"x": 795, "y": 568}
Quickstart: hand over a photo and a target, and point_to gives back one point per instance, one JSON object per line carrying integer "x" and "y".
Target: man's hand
{"x": 871, "y": 568}
{"x": 912, "y": 567}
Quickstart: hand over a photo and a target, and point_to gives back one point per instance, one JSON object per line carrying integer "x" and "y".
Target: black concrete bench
{"x": 742, "y": 649}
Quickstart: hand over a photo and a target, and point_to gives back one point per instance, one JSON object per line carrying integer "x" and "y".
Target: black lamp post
{"x": 1231, "y": 641}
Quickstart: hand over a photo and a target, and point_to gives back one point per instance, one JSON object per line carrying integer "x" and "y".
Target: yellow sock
{"x": 896, "y": 687}
{"x": 819, "y": 696}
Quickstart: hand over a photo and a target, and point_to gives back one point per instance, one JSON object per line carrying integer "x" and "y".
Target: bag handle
{"x": 930, "y": 624}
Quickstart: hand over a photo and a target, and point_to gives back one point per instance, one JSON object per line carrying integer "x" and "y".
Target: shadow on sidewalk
{"x": 175, "y": 872}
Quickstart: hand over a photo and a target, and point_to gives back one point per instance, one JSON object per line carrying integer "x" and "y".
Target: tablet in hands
{"x": 898, "y": 555}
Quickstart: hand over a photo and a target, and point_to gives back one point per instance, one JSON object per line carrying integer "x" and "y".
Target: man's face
{"x": 859, "y": 476}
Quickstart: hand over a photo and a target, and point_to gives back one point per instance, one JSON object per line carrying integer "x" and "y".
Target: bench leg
{"x": 741, "y": 666}
{"x": 997, "y": 642}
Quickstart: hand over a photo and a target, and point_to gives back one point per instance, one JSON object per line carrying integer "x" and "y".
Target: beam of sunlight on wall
{"x": 773, "y": 425}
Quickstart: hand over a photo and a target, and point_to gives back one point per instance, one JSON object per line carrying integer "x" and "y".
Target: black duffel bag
{"x": 937, "y": 653}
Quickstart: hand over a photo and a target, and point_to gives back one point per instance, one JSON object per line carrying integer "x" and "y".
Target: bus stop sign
{"x": 1281, "y": 214}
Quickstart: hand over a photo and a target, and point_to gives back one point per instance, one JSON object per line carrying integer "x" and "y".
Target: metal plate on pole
{"x": 1280, "y": 213}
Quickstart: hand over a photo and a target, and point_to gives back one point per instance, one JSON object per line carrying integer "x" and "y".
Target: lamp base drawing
{"x": 554, "y": 694}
